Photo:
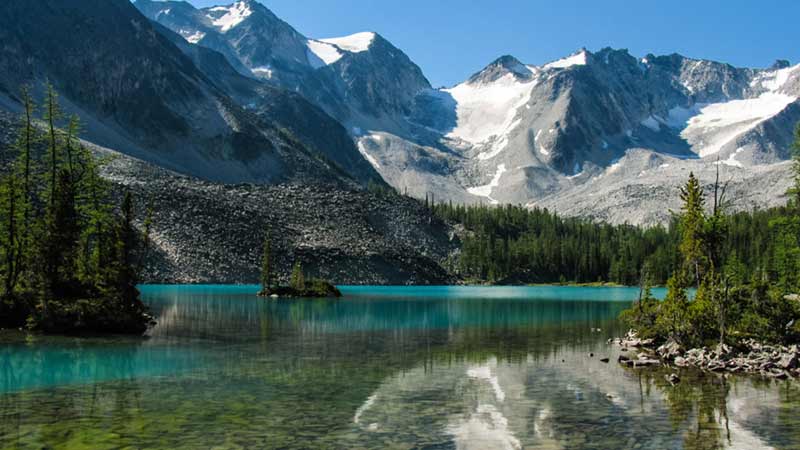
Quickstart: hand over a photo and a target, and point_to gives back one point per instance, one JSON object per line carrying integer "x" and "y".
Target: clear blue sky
{"x": 451, "y": 39}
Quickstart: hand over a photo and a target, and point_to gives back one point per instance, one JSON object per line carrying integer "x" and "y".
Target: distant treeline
{"x": 514, "y": 244}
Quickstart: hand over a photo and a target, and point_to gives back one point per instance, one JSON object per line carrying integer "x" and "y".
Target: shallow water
{"x": 473, "y": 368}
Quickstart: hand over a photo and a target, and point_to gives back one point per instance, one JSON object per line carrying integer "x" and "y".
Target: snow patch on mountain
{"x": 321, "y": 54}
{"x": 731, "y": 161}
{"x": 226, "y": 17}
{"x": 486, "y": 191}
{"x": 774, "y": 80}
{"x": 194, "y": 38}
{"x": 362, "y": 148}
{"x": 578, "y": 59}
{"x": 263, "y": 71}
{"x": 718, "y": 124}
{"x": 355, "y": 43}
{"x": 488, "y": 111}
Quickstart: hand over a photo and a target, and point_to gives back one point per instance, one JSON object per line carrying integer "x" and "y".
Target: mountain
{"x": 547, "y": 135}
{"x": 362, "y": 80}
{"x": 208, "y": 232}
{"x": 139, "y": 93}
{"x": 234, "y": 94}
{"x": 531, "y": 132}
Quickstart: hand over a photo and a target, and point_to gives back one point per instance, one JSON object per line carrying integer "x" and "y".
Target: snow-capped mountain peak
{"x": 355, "y": 43}
{"x": 324, "y": 52}
{"x": 518, "y": 133}
{"x": 577, "y": 59}
{"x": 226, "y": 17}
{"x": 501, "y": 67}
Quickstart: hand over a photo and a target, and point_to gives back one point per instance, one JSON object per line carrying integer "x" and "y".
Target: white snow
{"x": 363, "y": 150}
{"x": 355, "y": 43}
{"x": 234, "y": 15}
{"x": 321, "y": 54}
{"x": 195, "y": 38}
{"x": 578, "y": 59}
{"x": 718, "y": 124}
{"x": 679, "y": 116}
{"x": 731, "y": 161}
{"x": 263, "y": 71}
{"x": 486, "y": 191}
{"x": 487, "y": 111}
{"x": 774, "y": 80}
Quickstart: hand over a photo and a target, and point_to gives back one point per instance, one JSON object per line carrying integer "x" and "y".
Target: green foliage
{"x": 514, "y": 244}
{"x": 744, "y": 266}
{"x": 297, "y": 280}
{"x": 69, "y": 263}
{"x": 266, "y": 265}
{"x": 643, "y": 314}
{"x": 692, "y": 226}
{"x": 794, "y": 192}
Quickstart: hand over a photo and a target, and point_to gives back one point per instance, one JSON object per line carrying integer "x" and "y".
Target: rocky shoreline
{"x": 753, "y": 358}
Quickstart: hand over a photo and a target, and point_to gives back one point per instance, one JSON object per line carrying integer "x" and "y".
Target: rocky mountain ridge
{"x": 139, "y": 93}
{"x": 535, "y": 135}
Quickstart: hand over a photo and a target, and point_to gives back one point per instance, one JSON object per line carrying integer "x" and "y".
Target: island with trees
{"x": 70, "y": 253}
{"x": 298, "y": 286}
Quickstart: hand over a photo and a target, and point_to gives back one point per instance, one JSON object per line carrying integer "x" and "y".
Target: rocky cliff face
{"x": 139, "y": 93}
{"x": 362, "y": 79}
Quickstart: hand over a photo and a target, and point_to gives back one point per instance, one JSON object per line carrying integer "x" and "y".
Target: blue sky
{"x": 451, "y": 39}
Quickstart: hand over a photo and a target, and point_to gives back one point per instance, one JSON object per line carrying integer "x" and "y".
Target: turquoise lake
{"x": 381, "y": 368}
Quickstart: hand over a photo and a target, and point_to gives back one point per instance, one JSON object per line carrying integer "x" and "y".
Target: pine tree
{"x": 266, "y": 265}
{"x": 692, "y": 221}
{"x": 126, "y": 274}
{"x": 297, "y": 280}
{"x": 795, "y": 190}
{"x": 18, "y": 201}
{"x": 52, "y": 114}
{"x": 9, "y": 207}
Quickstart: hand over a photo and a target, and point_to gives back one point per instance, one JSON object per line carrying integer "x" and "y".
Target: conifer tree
{"x": 9, "y": 198}
{"x": 266, "y": 265}
{"x": 52, "y": 114}
{"x": 297, "y": 280}
{"x": 126, "y": 276}
{"x": 692, "y": 222}
{"x": 795, "y": 190}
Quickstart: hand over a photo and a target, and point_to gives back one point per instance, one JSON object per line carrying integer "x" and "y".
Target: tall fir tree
{"x": 297, "y": 280}
{"x": 266, "y": 265}
{"x": 692, "y": 224}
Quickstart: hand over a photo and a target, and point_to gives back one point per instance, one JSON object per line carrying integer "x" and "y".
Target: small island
{"x": 298, "y": 286}
{"x": 70, "y": 249}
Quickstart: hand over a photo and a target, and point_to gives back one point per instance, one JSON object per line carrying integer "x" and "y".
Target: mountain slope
{"x": 137, "y": 92}
{"x": 362, "y": 80}
{"x": 519, "y": 133}
{"x": 208, "y": 232}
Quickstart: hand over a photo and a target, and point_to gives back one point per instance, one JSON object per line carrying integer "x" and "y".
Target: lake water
{"x": 382, "y": 368}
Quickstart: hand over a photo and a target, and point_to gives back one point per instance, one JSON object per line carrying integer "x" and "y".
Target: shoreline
{"x": 750, "y": 358}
